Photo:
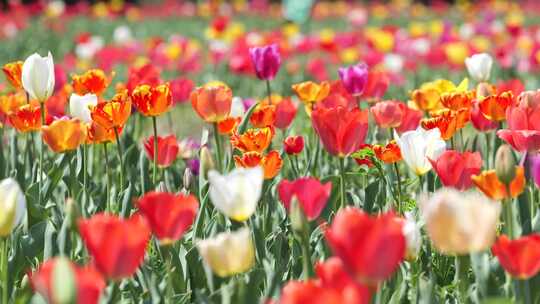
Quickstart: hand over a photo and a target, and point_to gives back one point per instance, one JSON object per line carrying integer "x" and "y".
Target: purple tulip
{"x": 266, "y": 60}
{"x": 354, "y": 78}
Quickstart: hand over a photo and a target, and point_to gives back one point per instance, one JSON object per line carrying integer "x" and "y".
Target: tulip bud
{"x": 72, "y": 212}
{"x": 38, "y": 76}
{"x": 63, "y": 282}
{"x": 296, "y": 215}
{"x": 505, "y": 164}
{"x": 12, "y": 206}
{"x": 207, "y": 162}
{"x": 187, "y": 178}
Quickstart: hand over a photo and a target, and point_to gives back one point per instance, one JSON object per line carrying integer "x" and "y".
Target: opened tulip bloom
{"x": 253, "y": 140}
{"x": 311, "y": 93}
{"x": 86, "y": 283}
{"x": 169, "y": 215}
{"x": 13, "y": 72}
{"x": 114, "y": 113}
{"x": 419, "y": 146}
{"x": 152, "y": 100}
{"x": 12, "y": 206}
{"x": 26, "y": 118}
{"x": 266, "y": 61}
{"x": 389, "y": 154}
{"x": 388, "y": 114}
{"x": 64, "y": 134}
{"x": 79, "y": 106}
{"x": 271, "y": 162}
{"x": 455, "y": 169}
{"x": 494, "y": 106}
{"x": 460, "y": 222}
{"x": 117, "y": 246}
{"x": 311, "y": 194}
{"x": 479, "y": 121}
{"x": 38, "y": 76}
{"x": 354, "y": 78}
{"x": 167, "y": 150}
{"x": 93, "y": 81}
{"x": 341, "y": 131}
{"x": 293, "y": 145}
{"x": 523, "y": 119}
{"x": 212, "y": 101}
{"x": 490, "y": 185}
{"x": 285, "y": 113}
{"x": 228, "y": 253}
{"x": 479, "y": 66}
{"x": 236, "y": 194}
{"x": 519, "y": 257}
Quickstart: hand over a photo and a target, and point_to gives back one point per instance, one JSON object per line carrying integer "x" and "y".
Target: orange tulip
{"x": 152, "y": 101}
{"x": 264, "y": 115}
{"x": 388, "y": 154}
{"x": 425, "y": 99}
{"x": 271, "y": 163}
{"x": 311, "y": 93}
{"x": 10, "y": 102}
{"x": 26, "y": 118}
{"x": 97, "y": 134}
{"x": 64, "y": 134}
{"x": 447, "y": 121}
{"x": 253, "y": 140}
{"x": 13, "y": 72}
{"x": 228, "y": 125}
{"x": 457, "y": 100}
{"x": 93, "y": 81}
{"x": 114, "y": 113}
{"x": 491, "y": 186}
{"x": 494, "y": 106}
{"x": 212, "y": 101}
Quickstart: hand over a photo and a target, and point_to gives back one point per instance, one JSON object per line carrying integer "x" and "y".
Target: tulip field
{"x": 270, "y": 152}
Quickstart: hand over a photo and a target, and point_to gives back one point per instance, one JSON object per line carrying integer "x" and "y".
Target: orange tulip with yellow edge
{"x": 311, "y": 93}
{"x": 264, "y": 115}
{"x": 93, "y": 81}
{"x": 493, "y": 107}
{"x": 97, "y": 134}
{"x": 271, "y": 163}
{"x": 114, "y": 113}
{"x": 152, "y": 101}
{"x": 457, "y": 100}
{"x": 64, "y": 134}
{"x": 212, "y": 101}
{"x": 428, "y": 96}
{"x": 26, "y": 118}
{"x": 10, "y": 102}
{"x": 447, "y": 121}
{"x": 13, "y": 72}
{"x": 253, "y": 140}
{"x": 491, "y": 186}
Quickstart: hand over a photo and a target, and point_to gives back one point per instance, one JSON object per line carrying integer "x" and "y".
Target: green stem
{"x": 218, "y": 147}
{"x": 306, "y": 252}
{"x": 269, "y": 91}
{"x": 5, "y": 256}
{"x": 40, "y": 180}
{"x": 154, "y": 123}
{"x": 85, "y": 171}
{"x": 119, "y": 148}
{"x": 462, "y": 263}
{"x": 508, "y": 217}
{"x": 398, "y": 177}
{"x": 421, "y": 183}
{"x": 108, "y": 207}
{"x": 342, "y": 182}
{"x": 167, "y": 252}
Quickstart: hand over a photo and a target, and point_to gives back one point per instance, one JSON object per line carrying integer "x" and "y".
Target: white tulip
{"x": 418, "y": 146}
{"x": 228, "y": 253}
{"x": 12, "y": 206}
{"x": 460, "y": 222}
{"x": 479, "y": 66}
{"x": 237, "y": 107}
{"x": 237, "y": 193}
{"x": 79, "y": 106}
{"x": 411, "y": 231}
{"x": 122, "y": 34}
{"x": 38, "y": 76}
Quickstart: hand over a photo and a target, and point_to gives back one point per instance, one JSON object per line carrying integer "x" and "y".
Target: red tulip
{"x": 376, "y": 86}
{"x": 310, "y": 193}
{"x": 388, "y": 114}
{"x": 116, "y": 245}
{"x": 371, "y": 247}
{"x": 285, "y": 113}
{"x": 341, "y": 131}
{"x": 410, "y": 120}
{"x": 519, "y": 257}
{"x": 293, "y": 145}
{"x": 181, "y": 89}
{"x": 169, "y": 215}
{"x": 332, "y": 274}
{"x": 167, "y": 149}
{"x": 455, "y": 169}
{"x": 523, "y": 118}
{"x": 88, "y": 282}
{"x": 479, "y": 121}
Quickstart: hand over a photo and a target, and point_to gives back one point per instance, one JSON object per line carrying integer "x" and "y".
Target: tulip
{"x": 519, "y": 257}
{"x": 389, "y": 154}
{"x": 266, "y": 61}
{"x": 534, "y": 168}
{"x": 253, "y": 140}
{"x": 428, "y": 96}
{"x": 263, "y": 115}
{"x": 96, "y": 134}
{"x": 494, "y": 106}
{"x": 285, "y": 113}
{"x": 167, "y": 150}
{"x": 64, "y": 134}
{"x": 310, "y": 193}
{"x": 505, "y": 164}
{"x": 181, "y": 89}
{"x": 447, "y": 121}
{"x": 376, "y": 86}
{"x": 523, "y": 118}
{"x": 53, "y": 280}
{"x": 114, "y": 113}
{"x": 342, "y": 132}
{"x": 388, "y": 114}
{"x": 228, "y": 253}
{"x": 236, "y": 194}
{"x": 491, "y": 186}
{"x": 38, "y": 76}
{"x": 12, "y": 206}
{"x": 91, "y": 82}
{"x": 117, "y": 245}
{"x": 479, "y": 66}
{"x": 293, "y": 145}
{"x": 455, "y": 169}
{"x": 168, "y": 215}
{"x": 354, "y": 78}
{"x": 311, "y": 93}
{"x": 419, "y": 146}
{"x": 212, "y": 102}
{"x": 13, "y": 72}
{"x": 79, "y": 106}
{"x": 460, "y": 222}
{"x": 358, "y": 240}
{"x": 410, "y": 120}
{"x": 26, "y": 118}
{"x": 479, "y": 121}
{"x": 152, "y": 100}
{"x": 271, "y": 162}
{"x": 456, "y": 100}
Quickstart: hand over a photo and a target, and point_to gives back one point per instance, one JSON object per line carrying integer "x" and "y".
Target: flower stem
{"x": 85, "y": 171}
{"x": 119, "y": 148}
{"x": 398, "y": 177}
{"x": 154, "y": 123}
{"x": 269, "y": 91}
{"x": 342, "y": 182}
{"x": 462, "y": 263}
{"x": 5, "y": 255}
{"x": 40, "y": 180}
{"x": 508, "y": 217}
{"x": 218, "y": 147}
{"x": 108, "y": 207}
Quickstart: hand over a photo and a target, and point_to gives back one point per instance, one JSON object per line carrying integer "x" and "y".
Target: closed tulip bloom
{"x": 93, "y": 81}
{"x": 479, "y": 121}
{"x": 388, "y": 114}
{"x": 96, "y": 134}
{"x": 479, "y": 66}
{"x": 341, "y": 131}
{"x": 311, "y": 194}
{"x": 79, "y": 106}
{"x": 494, "y": 106}
{"x": 228, "y": 253}
{"x": 354, "y": 78}
{"x": 113, "y": 113}
{"x": 38, "y": 76}
{"x": 460, "y": 222}
{"x": 64, "y": 134}
{"x": 169, "y": 215}
{"x": 410, "y": 120}
{"x": 377, "y": 84}
{"x": 12, "y": 206}
{"x": 237, "y": 193}
{"x": 358, "y": 240}
{"x": 167, "y": 150}
{"x": 285, "y": 113}
{"x": 455, "y": 169}
{"x": 13, "y": 73}
{"x": 87, "y": 284}
{"x": 266, "y": 61}
{"x": 519, "y": 257}
{"x": 117, "y": 245}
{"x": 152, "y": 100}
{"x": 264, "y": 115}
{"x": 271, "y": 162}
{"x": 491, "y": 186}
{"x": 419, "y": 146}
{"x": 253, "y": 140}
{"x": 26, "y": 118}
{"x": 212, "y": 102}
{"x": 293, "y": 145}
{"x": 523, "y": 119}
{"x": 310, "y": 92}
